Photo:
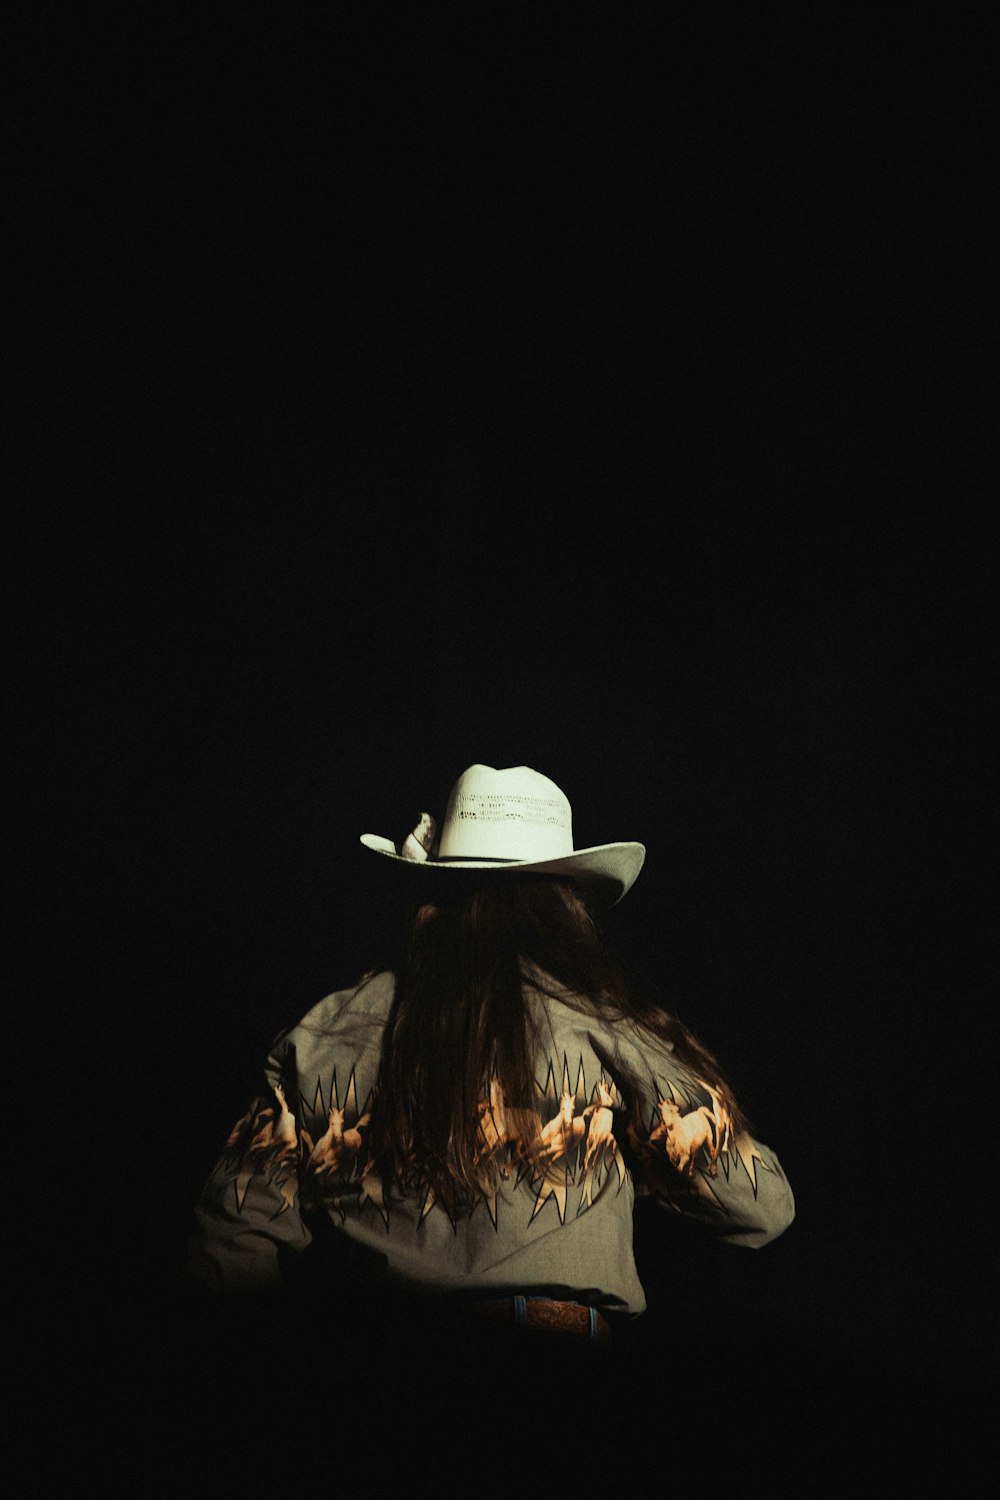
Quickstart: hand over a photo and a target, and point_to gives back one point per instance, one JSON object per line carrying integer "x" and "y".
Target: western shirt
{"x": 617, "y": 1112}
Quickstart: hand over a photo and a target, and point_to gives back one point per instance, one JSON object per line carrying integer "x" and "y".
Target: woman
{"x": 470, "y": 1118}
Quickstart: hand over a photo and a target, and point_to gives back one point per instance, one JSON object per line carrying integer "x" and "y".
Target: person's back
{"x": 466, "y": 1128}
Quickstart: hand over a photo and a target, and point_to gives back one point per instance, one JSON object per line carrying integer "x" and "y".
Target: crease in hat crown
{"x": 513, "y": 819}
{"x": 512, "y": 815}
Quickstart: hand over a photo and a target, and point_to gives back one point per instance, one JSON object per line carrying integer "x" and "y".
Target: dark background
{"x": 561, "y": 389}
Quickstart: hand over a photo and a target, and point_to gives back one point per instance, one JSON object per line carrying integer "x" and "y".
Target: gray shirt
{"x": 617, "y": 1113}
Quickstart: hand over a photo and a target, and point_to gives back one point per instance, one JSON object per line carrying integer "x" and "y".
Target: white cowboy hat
{"x": 514, "y": 819}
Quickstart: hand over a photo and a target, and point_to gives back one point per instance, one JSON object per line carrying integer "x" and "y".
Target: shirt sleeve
{"x": 690, "y": 1155}
{"x": 249, "y": 1213}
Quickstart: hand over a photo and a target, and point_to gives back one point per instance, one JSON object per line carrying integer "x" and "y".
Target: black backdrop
{"x": 413, "y": 392}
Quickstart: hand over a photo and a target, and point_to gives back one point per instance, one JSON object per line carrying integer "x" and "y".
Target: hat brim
{"x": 609, "y": 870}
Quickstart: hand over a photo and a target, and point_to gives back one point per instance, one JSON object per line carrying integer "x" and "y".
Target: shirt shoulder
{"x": 353, "y": 1017}
{"x": 372, "y": 995}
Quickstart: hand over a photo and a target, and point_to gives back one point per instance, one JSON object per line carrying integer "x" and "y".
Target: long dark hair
{"x": 460, "y": 1018}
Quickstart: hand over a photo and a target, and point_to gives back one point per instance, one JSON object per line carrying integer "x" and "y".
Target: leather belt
{"x": 547, "y": 1314}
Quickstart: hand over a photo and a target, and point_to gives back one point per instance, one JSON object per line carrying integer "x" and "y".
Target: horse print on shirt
{"x": 563, "y": 1152}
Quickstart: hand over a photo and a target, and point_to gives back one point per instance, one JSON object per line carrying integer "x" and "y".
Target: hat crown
{"x": 511, "y": 814}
